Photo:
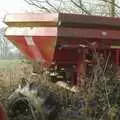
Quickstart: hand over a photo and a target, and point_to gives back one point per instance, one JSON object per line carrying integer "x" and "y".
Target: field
{"x": 11, "y": 71}
{"x": 98, "y": 100}
{"x": 8, "y": 72}
{"x": 9, "y": 63}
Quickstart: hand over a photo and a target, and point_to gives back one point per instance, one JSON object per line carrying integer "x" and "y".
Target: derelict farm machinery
{"x": 65, "y": 42}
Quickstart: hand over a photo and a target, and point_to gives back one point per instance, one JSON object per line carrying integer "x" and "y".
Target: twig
{"x": 47, "y": 1}
{"x": 60, "y": 5}
{"x": 105, "y": 80}
{"x": 81, "y": 7}
{"x": 111, "y": 3}
{"x": 30, "y": 2}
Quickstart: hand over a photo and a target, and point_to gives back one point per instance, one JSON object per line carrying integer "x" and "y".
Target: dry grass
{"x": 99, "y": 100}
{"x": 10, "y": 74}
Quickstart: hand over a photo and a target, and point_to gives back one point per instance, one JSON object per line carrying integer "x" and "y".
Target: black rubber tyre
{"x": 18, "y": 108}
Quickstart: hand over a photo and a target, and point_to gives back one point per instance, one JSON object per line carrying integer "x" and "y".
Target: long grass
{"x": 98, "y": 100}
{"x": 11, "y": 71}
{"x": 9, "y": 63}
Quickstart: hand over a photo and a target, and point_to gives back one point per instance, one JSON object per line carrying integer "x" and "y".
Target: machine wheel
{"x": 19, "y": 108}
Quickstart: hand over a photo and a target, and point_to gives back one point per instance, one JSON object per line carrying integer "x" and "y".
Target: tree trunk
{"x": 112, "y": 8}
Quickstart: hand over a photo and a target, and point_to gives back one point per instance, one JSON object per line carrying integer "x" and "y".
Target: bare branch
{"x": 30, "y": 2}
{"x": 60, "y": 5}
{"x": 111, "y": 3}
{"x": 39, "y": 1}
{"x": 81, "y": 7}
{"x": 38, "y": 4}
{"x": 80, "y": 1}
{"x": 47, "y": 1}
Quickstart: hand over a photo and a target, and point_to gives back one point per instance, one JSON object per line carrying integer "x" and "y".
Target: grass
{"x": 9, "y": 63}
{"x": 98, "y": 100}
{"x": 11, "y": 71}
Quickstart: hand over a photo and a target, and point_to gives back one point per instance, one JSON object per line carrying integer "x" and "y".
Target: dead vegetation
{"x": 10, "y": 77}
{"x": 98, "y": 100}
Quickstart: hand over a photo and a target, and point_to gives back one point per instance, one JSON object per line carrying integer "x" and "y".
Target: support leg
{"x": 81, "y": 68}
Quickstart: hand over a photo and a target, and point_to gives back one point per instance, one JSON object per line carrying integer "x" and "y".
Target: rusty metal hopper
{"x": 58, "y": 37}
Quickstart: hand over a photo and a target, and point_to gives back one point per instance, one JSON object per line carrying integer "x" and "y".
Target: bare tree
{"x": 60, "y": 5}
{"x": 3, "y": 44}
{"x": 6, "y": 47}
{"x": 89, "y": 7}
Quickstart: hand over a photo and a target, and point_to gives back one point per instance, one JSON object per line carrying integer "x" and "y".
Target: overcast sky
{"x": 12, "y": 6}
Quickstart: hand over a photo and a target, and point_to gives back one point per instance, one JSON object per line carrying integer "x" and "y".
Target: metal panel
{"x": 42, "y": 48}
{"x": 35, "y": 31}
{"x": 66, "y": 33}
{"x": 21, "y": 44}
{"x": 46, "y": 46}
{"x": 31, "y": 19}
{"x": 62, "y": 20}
{"x": 89, "y": 33}
{"x": 76, "y": 20}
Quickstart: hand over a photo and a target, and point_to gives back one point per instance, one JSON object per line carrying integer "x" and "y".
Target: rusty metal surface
{"x": 75, "y": 20}
{"x": 61, "y": 20}
{"x": 35, "y": 31}
{"x": 65, "y": 33}
{"x": 40, "y": 42}
{"x": 88, "y": 33}
{"x": 31, "y": 19}
{"x": 37, "y": 35}
{"x": 44, "y": 37}
{"x": 35, "y": 48}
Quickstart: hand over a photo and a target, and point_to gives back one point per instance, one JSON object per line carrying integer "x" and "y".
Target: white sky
{"x": 12, "y": 6}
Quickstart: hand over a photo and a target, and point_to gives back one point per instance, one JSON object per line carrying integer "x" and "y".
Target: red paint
{"x": 77, "y": 20}
{"x": 64, "y": 38}
{"x": 89, "y": 33}
{"x": 20, "y": 43}
{"x": 42, "y": 50}
{"x": 3, "y": 115}
{"x": 46, "y": 46}
{"x": 81, "y": 68}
